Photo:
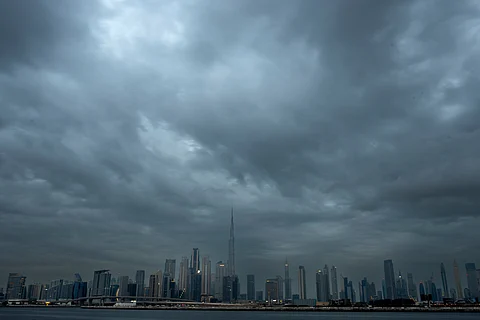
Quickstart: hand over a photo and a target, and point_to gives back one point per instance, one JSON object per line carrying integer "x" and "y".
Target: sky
{"x": 342, "y": 133}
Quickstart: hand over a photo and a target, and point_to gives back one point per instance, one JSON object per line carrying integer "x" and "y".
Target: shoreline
{"x": 266, "y": 309}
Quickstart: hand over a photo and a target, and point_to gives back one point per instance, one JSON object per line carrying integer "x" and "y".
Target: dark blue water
{"x": 83, "y": 314}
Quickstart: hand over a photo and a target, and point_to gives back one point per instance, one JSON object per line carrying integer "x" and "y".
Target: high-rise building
{"x": 231, "y": 249}
{"x": 140, "y": 281}
{"x": 319, "y": 285}
{"x": 123, "y": 286}
{"x": 16, "y": 286}
{"x": 34, "y": 290}
{"x": 446, "y": 292}
{"x": 389, "y": 279}
{"x": 132, "y": 289}
{"x": 250, "y": 287}
{"x": 401, "y": 287}
{"x": 326, "y": 283}
{"x": 206, "y": 276}
{"x": 472, "y": 281}
{"x": 227, "y": 289}
{"x": 302, "y": 289}
{"x": 182, "y": 279}
{"x": 288, "y": 282}
{"x": 220, "y": 274}
{"x": 422, "y": 291}
{"x": 271, "y": 290}
{"x": 170, "y": 267}
{"x": 333, "y": 275}
{"x": 101, "y": 283}
{"x": 195, "y": 260}
{"x": 259, "y": 295}
{"x": 412, "y": 288}
{"x": 458, "y": 281}
{"x": 153, "y": 286}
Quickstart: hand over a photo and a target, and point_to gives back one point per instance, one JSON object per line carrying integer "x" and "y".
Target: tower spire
{"x": 231, "y": 248}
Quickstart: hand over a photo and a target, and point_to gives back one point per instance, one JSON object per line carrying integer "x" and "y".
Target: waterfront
{"x": 83, "y": 314}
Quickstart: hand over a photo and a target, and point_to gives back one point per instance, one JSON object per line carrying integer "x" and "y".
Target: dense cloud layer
{"x": 343, "y": 132}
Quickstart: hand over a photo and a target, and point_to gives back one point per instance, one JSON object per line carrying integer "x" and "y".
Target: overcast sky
{"x": 342, "y": 132}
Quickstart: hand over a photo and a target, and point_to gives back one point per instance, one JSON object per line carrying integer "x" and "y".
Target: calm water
{"x": 82, "y": 314}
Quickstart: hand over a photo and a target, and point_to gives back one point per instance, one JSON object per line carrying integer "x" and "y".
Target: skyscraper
{"x": 472, "y": 282}
{"x": 333, "y": 275}
{"x": 271, "y": 290}
{"x": 446, "y": 292}
{"x": 401, "y": 287}
{"x": 206, "y": 275}
{"x": 16, "y": 286}
{"x": 220, "y": 274}
{"x": 412, "y": 288}
{"x": 140, "y": 281}
{"x": 123, "y": 286}
{"x": 250, "y": 287}
{"x": 302, "y": 289}
{"x": 326, "y": 283}
{"x": 389, "y": 279}
{"x": 195, "y": 261}
{"x": 280, "y": 287}
{"x": 101, "y": 283}
{"x": 182, "y": 279}
{"x": 288, "y": 282}
{"x": 170, "y": 266}
{"x": 319, "y": 278}
{"x": 458, "y": 281}
{"x": 231, "y": 248}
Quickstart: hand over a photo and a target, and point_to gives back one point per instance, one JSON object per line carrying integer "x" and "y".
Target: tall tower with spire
{"x": 231, "y": 249}
{"x": 288, "y": 282}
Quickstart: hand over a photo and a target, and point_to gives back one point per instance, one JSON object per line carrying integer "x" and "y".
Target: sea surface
{"x": 83, "y": 314}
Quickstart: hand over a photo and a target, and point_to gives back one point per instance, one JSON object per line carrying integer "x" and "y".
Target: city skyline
{"x": 199, "y": 262}
{"x": 341, "y": 132}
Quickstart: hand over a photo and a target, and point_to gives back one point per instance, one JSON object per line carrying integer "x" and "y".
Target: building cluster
{"x": 197, "y": 281}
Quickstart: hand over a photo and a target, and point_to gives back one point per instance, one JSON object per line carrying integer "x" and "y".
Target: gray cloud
{"x": 342, "y": 132}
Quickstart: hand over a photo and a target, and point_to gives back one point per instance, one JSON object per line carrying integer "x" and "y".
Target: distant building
{"x": 231, "y": 249}
{"x": 333, "y": 275}
{"x": 101, "y": 283}
{"x": 458, "y": 281}
{"x": 170, "y": 267}
{"x": 271, "y": 290}
{"x": 16, "y": 286}
{"x": 195, "y": 261}
{"x": 302, "y": 288}
{"x": 132, "y": 289}
{"x": 206, "y": 276}
{"x": 259, "y": 295}
{"x": 140, "y": 281}
{"x": 389, "y": 279}
{"x": 401, "y": 287}
{"x": 197, "y": 286}
{"x": 79, "y": 289}
{"x": 319, "y": 285}
{"x": 251, "y": 287}
{"x": 472, "y": 281}
{"x": 288, "y": 282}
{"x": 280, "y": 287}
{"x": 412, "y": 288}
{"x": 444, "y": 280}
{"x": 183, "y": 277}
{"x": 220, "y": 273}
{"x": 34, "y": 291}
{"x": 123, "y": 286}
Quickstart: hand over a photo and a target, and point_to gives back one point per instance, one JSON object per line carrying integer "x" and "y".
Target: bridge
{"x": 109, "y": 300}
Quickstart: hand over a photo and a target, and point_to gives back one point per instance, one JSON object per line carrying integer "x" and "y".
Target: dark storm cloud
{"x": 342, "y": 132}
